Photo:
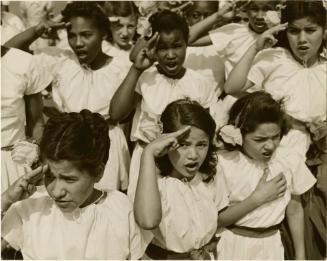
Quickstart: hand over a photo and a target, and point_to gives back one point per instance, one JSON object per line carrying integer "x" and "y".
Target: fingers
{"x": 35, "y": 175}
{"x": 265, "y": 175}
{"x": 113, "y": 19}
{"x": 180, "y": 134}
{"x": 153, "y": 41}
{"x": 276, "y": 29}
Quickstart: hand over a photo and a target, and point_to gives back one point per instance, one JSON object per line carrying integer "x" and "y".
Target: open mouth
{"x": 191, "y": 167}
{"x": 267, "y": 154}
{"x": 303, "y": 48}
{"x": 172, "y": 66}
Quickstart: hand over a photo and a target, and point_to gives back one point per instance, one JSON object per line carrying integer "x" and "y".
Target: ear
{"x": 99, "y": 172}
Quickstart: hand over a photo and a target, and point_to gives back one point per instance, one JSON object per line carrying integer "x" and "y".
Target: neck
{"x": 307, "y": 63}
{"x": 99, "y": 61}
{"x": 126, "y": 48}
{"x": 94, "y": 196}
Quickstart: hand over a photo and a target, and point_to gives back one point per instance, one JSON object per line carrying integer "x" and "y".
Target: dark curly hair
{"x": 254, "y": 109}
{"x": 87, "y": 9}
{"x": 294, "y": 10}
{"x": 167, "y": 21}
{"x": 187, "y": 112}
{"x": 81, "y": 138}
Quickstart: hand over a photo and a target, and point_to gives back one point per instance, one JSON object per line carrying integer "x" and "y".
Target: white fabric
{"x": 303, "y": 90}
{"x": 11, "y": 25}
{"x": 113, "y": 51}
{"x": 189, "y": 213}
{"x": 157, "y": 92}
{"x": 75, "y": 87}
{"x": 242, "y": 175}
{"x": 106, "y": 230}
{"x": 20, "y": 76}
{"x": 205, "y": 60}
{"x": 231, "y": 41}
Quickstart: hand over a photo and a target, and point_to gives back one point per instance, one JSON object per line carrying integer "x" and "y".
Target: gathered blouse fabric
{"x": 231, "y": 42}
{"x": 157, "y": 91}
{"x": 189, "y": 213}
{"x": 302, "y": 89}
{"x": 76, "y": 87}
{"x": 20, "y": 76}
{"x": 241, "y": 175}
{"x": 106, "y": 230}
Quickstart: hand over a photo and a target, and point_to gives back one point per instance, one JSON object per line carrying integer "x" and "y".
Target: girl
{"x": 231, "y": 41}
{"x": 204, "y": 58}
{"x": 255, "y": 127}
{"x": 85, "y": 77}
{"x": 150, "y": 91}
{"x": 295, "y": 71}
{"x": 180, "y": 204}
{"x": 123, "y": 18}
{"x": 75, "y": 220}
{"x": 21, "y": 107}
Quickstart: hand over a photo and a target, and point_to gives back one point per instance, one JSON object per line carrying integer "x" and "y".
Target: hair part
{"x": 190, "y": 113}
{"x": 81, "y": 138}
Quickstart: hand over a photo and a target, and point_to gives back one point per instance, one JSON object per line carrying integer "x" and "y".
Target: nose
{"x": 260, "y": 15}
{"x": 192, "y": 153}
{"x": 57, "y": 190}
{"x": 270, "y": 145}
{"x": 302, "y": 37}
{"x": 79, "y": 42}
{"x": 124, "y": 31}
{"x": 171, "y": 54}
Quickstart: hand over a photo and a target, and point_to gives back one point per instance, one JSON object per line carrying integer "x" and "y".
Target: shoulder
{"x": 117, "y": 200}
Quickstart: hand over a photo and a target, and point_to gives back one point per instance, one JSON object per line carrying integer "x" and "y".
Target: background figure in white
{"x": 10, "y": 24}
{"x": 34, "y": 12}
{"x": 21, "y": 83}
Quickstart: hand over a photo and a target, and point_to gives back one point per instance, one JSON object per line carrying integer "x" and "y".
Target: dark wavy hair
{"x": 90, "y": 10}
{"x": 167, "y": 21}
{"x": 298, "y": 9}
{"x": 187, "y": 112}
{"x": 253, "y": 109}
{"x": 81, "y": 138}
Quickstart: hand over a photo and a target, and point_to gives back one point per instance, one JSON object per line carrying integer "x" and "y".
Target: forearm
{"x": 125, "y": 98}
{"x": 25, "y": 39}
{"x": 147, "y": 204}
{"x": 235, "y": 212}
{"x": 6, "y": 202}
{"x": 202, "y": 27}
{"x": 237, "y": 80}
{"x": 295, "y": 218}
{"x": 34, "y": 117}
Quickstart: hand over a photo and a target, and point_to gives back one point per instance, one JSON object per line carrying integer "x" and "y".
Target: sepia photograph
{"x": 164, "y": 130}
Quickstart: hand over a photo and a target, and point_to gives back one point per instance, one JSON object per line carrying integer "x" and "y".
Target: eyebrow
{"x": 265, "y": 137}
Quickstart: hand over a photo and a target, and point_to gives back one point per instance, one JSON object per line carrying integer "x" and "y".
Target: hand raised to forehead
{"x": 267, "y": 39}
{"x": 167, "y": 142}
{"x": 25, "y": 186}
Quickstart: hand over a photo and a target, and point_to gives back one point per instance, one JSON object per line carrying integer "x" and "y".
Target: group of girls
{"x": 193, "y": 179}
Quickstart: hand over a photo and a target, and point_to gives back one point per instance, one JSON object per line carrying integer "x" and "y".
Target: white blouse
{"x": 105, "y": 230}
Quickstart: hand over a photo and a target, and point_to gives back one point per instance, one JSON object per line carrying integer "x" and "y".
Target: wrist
{"x": 136, "y": 69}
{"x": 255, "y": 201}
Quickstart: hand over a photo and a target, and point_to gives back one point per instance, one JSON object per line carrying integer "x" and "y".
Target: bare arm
{"x": 197, "y": 30}
{"x": 125, "y": 98}
{"x": 147, "y": 204}
{"x": 295, "y": 218}
{"x": 237, "y": 81}
{"x": 23, "y": 40}
{"x": 34, "y": 117}
{"x": 264, "y": 192}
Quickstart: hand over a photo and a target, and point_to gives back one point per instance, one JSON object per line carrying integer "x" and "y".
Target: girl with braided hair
{"x": 74, "y": 220}
{"x": 84, "y": 77}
